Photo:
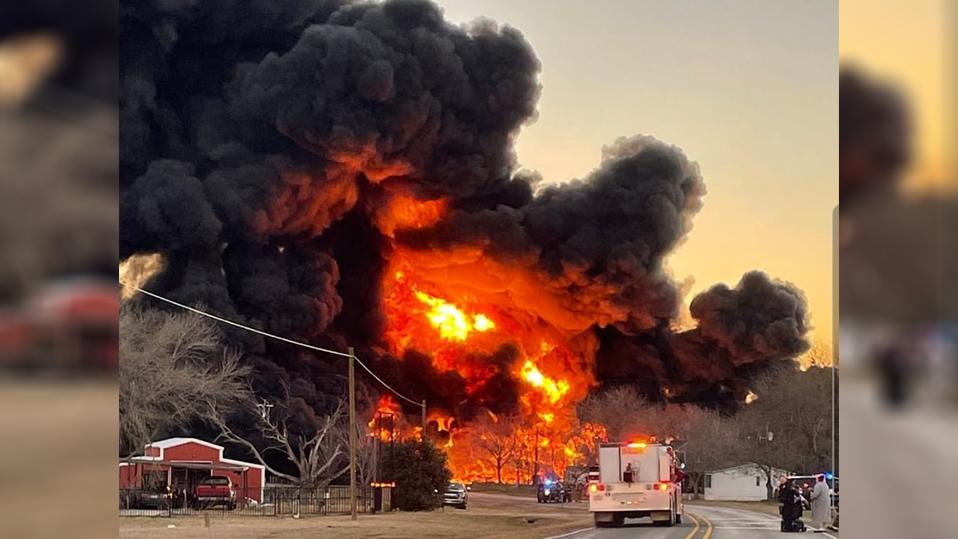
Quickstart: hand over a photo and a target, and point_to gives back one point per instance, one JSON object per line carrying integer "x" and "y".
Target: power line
{"x": 271, "y": 336}
{"x": 387, "y": 386}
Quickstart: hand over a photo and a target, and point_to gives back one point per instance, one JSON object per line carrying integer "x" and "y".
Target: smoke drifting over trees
{"x": 280, "y": 153}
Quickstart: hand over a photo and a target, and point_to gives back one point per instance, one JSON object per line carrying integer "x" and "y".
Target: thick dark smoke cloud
{"x": 447, "y": 390}
{"x": 249, "y": 129}
{"x": 740, "y": 331}
{"x": 396, "y": 91}
{"x": 597, "y": 243}
{"x": 287, "y": 292}
{"x": 612, "y": 230}
{"x": 259, "y": 141}
{"x": 758, "y": 320}
{"x": 167, "y": 209}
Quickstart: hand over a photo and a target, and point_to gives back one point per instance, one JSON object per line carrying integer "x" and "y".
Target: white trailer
{"x": 636, "y": 480}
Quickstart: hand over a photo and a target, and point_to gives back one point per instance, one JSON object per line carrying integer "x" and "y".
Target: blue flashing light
{"x": 829, "y": 476}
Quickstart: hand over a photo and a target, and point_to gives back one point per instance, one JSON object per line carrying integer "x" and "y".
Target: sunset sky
{"x": 747, "y": 88}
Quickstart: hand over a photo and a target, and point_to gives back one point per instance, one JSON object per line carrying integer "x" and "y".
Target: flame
{"x": 445, "y": 424}
{"x": 136, "y": 270}
{"x": 387, "y": 420}
{"x": 454, "y": 311}
{"x": 751, "y": 397}
{"x": 404, "y": 212}
{"x": 452, "y": 323}
{"x": 553, "y": 389}
{"x": 534, "y": 450}
{"x": 481, "y": 323}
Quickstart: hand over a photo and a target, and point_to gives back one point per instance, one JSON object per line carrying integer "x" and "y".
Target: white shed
{"x": 743, "y": 483}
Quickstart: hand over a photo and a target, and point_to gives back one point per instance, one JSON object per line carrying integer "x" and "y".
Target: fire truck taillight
{"x": 661, "y": 486}
{"x": 637, "y": 445}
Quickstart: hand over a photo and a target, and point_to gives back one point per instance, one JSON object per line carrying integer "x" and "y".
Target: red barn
{"x": 183, "y": 462}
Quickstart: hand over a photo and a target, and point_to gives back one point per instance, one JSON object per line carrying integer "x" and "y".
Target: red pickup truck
{"x": 214, "y": 490}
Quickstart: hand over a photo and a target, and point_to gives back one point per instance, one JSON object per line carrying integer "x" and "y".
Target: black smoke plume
{"x": 261, "y": 139}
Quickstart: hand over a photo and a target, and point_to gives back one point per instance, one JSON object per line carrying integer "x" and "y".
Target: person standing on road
{"x": 627, "y": 475}
{"x": 783, "y": 492}
{"x": 821, "y": 505}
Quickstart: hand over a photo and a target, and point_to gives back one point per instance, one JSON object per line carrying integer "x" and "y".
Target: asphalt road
{"x": 700, "y": 523}
{"x": 903, "y": 471}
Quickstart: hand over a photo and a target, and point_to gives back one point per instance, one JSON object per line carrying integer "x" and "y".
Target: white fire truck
{"x": 637, "y": 479}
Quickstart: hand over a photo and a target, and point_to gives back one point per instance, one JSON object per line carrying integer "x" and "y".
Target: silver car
{"x": 457, "y": 495}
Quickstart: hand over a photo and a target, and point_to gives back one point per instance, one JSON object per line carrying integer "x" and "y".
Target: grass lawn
{"x": 520, "y": 490}
{"x": 486, "y": 517}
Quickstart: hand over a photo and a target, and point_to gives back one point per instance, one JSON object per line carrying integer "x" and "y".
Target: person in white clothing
{"x": 821, "y": 505}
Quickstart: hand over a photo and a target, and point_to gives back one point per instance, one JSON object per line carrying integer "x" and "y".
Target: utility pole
{"x": 264, "y": 407}
{"x": 377, "y": 443}
{"x": 424, "y": 420}
{"x": 535, "y": 468}
{"x": 352, "y": 433}
{"x": 835, "y": 346}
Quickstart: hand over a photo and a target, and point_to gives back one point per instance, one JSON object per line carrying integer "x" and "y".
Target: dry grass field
{"x": 488, "y": 516}
{"x": 58, "y": 462}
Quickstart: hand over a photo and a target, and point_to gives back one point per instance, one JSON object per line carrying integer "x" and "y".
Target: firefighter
{"x": 627, "y": 474}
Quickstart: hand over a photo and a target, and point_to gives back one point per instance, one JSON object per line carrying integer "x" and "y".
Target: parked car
{"x": 553, "y": 491}
{"x": 152, "y": 499}
{"x": 144, "y": 499}
{"x": 456, "y": 495}
{"x": 214, "y": 490}
{"x": 593, "y": 475}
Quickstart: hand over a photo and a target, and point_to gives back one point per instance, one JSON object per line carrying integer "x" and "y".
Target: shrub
{"x": 420, "y": 473}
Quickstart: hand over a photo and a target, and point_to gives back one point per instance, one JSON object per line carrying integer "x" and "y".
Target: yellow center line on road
{"x": 696, "y": 529}
{"x": 708, "y": 532}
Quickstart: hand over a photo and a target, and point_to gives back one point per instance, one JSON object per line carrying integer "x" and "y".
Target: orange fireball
{"x": 458, "y": 321}
{"x": 452, "y": 323}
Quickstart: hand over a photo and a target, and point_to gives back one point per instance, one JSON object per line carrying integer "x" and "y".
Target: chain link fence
{"x": 273, "y": 500}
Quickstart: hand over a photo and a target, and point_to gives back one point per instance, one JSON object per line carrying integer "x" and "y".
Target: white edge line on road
{"x": 571, "y": 533}
{"x": 742, "y": 528}
{"x": 770, "y": 517}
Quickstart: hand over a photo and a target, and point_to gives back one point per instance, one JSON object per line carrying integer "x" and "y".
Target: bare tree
{"x": 711, "y": 442}
{"x": 318, "y": 455}
{"x": 624, "y": 413}
{"x": 819, "y": 355}
{"x": 618, "y": 409}
{"x": 173, "y": 368}
{"x": 789, "y": 425}
{"x": 367, "y": 453}
{"x": 519, "y": 458}
{"x": 496, "y": 438}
